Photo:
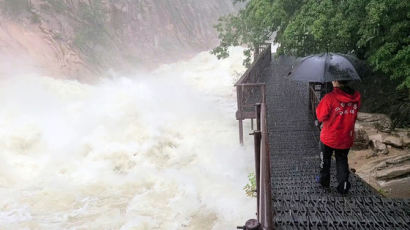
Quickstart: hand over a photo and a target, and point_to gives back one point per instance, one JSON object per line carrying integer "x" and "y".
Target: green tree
{"x": 374, "y": 30}
{"x": 250, "y": 27}
{"x": 250, "y": 188}
{"x": 323, "y": 26}
{"x": 385, "y": 36}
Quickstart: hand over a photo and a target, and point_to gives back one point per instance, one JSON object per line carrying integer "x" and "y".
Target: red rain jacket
{"x": 338, "y": 112}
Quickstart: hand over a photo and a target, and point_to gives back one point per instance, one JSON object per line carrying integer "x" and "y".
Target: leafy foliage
{"x": 375, "y": 30}
{"x": 251, "y": 27}
{"x": 250, "y": 188}
{"x": 385, "y": 35}
{"x": 319, "y": 26}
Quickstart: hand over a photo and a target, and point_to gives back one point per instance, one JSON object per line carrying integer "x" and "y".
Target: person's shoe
{"x": 322, "y": 184}
{"x": 343, "y": 188}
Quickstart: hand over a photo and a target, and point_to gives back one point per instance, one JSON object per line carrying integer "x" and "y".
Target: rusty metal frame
{"x": 316, "y": 91}
{"x": 314, "y": 99}
{"x": 262, "y": 173}
{"x": 249, "y": 87}
{"x": 252, "y": 105}
{"x": 265, "y": 216}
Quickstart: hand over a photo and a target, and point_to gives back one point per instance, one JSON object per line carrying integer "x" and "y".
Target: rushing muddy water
{"x": 149, "y": 151}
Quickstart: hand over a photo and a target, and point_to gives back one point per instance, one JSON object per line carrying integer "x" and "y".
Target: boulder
{"x": 397, "y": 188}
{"x": 380, "y": 121}
{"x": 371, "y": 154}
{"x": 406, "y": 141}
{"x": 393, "y": 140}
{"x": 378, "y": 147}
{"x": 398, "y": 160}
{"x": 376, "y": 137}
{"x": 361, "y": 140}
{"x": 405, "y": 136}
{"x": 392, "y": 173}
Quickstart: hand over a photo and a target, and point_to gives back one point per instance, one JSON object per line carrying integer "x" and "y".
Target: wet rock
{"x": 361, "y": 140}
{"x": 380, "y": 121}
{"x": 398, "y": 159}
{"x": 371, "y": 154}
{"x": 393, "y": 140}
{"x": 389, "y": 173}
{"x": 134, "y": 31}
{"x": 406, "y": 141}
{"x": 376, "y": 137}
{"x": 398, "y": 188}
{"x": 401, "y": 159}
{"x": 395, "y": 172}
{"x": 378, "y": 147}
{"x": 405, "y": 136}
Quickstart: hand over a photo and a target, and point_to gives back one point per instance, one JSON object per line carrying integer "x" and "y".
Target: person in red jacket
{"x": 338, "y": 112}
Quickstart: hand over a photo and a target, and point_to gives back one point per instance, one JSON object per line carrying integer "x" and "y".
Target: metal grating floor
{"x": 298, "y": 201}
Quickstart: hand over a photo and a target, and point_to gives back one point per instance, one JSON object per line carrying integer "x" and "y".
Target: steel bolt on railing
{"x": 251, "y": 224}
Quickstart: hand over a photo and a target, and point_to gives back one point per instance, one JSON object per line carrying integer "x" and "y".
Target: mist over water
{"x": 151, "y": 151}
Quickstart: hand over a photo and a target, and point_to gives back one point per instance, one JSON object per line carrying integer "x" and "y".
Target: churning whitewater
{"x": 149, "y": 151}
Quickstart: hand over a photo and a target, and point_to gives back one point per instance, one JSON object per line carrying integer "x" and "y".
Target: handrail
{"x": 314, "y": 98}
{"x": 265, "y": 196}
{"x": 316, "y": 91}
{"x": 252, "y": 105}
{"x": 250, "y": 89}
{"x": 262, "y": 173}
{"x": 258, "y": 61}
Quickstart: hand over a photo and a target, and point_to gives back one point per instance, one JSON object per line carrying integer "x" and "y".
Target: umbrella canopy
{"x": 325, "y": 67}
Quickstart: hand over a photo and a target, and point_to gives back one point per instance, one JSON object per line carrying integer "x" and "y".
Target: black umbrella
{"x": 326, "y": 67}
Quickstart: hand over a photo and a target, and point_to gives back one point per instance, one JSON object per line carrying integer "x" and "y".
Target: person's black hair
{"x": 344, "y": 86}
{"x": 344, "y": 82}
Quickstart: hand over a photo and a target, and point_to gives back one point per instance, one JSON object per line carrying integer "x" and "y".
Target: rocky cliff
{"x": 81, "y": 37}
{"x": 381, "y": 155}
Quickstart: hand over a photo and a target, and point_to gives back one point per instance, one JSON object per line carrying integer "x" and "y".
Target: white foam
{"x": 151, "y": 151}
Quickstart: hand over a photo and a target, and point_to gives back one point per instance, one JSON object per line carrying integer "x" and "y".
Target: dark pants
{"x": 342, "y": 167}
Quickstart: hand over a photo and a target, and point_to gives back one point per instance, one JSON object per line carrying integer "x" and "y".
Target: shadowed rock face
{"x": 87, "y": 36}
{"x": 175, "y": 26}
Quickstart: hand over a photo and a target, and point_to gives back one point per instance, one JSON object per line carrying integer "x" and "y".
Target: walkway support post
{"x": 257, "y": 140}
{"x": 265, "y": 195}
{"x": 241, "y": 132}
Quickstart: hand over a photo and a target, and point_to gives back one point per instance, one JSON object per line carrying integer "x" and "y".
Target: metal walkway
{"x": 298, "y": 201}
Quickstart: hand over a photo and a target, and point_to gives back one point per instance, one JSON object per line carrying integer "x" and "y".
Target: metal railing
{"x": 264, "y": 196}
{"x": 262, "y": 173}
{"x": 249, "y": 88}
{"x": 314, "y": 98}
{"x": 252, "y": 105}
{"x": 316, "y": 92}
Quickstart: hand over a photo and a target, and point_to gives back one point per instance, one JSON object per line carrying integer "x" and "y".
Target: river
{"x": 150, "y": 151}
